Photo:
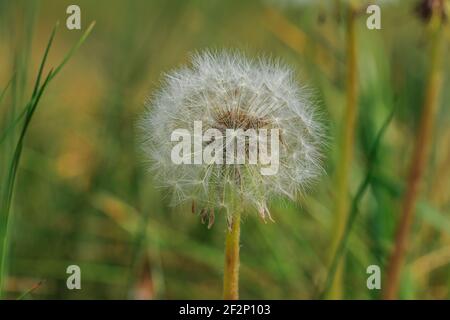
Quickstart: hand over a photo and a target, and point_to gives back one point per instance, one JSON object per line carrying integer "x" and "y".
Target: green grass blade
{"x": 13, "y": 124}
{"x": 7, "y": 198}
{"x": 28, "y": 113}
{"x": 29, "y": 291}
{"x": 432, "y": 216}
{"x": 73, "y": 50}
{"x": 6, "y": 87}
{"x": 354, "y": 207}
{"x": 44, "y": 59}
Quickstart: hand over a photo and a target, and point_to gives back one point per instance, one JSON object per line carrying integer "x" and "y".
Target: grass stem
{"x": 418, "y": 162}
{"x": 346, "y": 151}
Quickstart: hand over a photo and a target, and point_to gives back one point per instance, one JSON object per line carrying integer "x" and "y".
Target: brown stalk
{"x": 418, "y": 162}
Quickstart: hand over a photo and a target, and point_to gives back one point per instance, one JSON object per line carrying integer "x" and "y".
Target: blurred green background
{"x": 83, "y": 194}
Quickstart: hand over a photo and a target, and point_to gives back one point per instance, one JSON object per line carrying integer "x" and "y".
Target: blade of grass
{"x": 353, "y": 212}
{"x": 346, "y": 147}
{"x": 6, "y": 87}
{"x": 11, "y": 127}
{"x": 8, "y": 191}
{"x": 29, "y": 291}
{"x": 44, "y": 59}
{"x": 29, "y": 111}
{"x": 432, "y": 216}
{"x": 13, "y": 124}
{"x": 73, "y": 50}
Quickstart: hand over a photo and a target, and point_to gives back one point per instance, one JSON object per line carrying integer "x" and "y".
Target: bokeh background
{"x": 83, "y": 195}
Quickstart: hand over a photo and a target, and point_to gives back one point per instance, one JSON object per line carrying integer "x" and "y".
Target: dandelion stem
{"x": 231, "y": 270}
{"x": 418, "y": 163}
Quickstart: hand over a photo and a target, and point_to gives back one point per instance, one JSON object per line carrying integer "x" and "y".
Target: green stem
{"x": 346, "y": 152}
{"x": 355, "y": 203}
{"x": 231, "y": 270}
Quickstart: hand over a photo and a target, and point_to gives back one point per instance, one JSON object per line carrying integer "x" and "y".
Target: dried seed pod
{"x": 211, "y": 218}
{"x": 203, "y": 215}
{"x": 193, "y": 207}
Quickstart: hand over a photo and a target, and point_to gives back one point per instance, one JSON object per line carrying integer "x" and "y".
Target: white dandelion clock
{"x": 232, "y": 133}
{"x": 226, "y": 91}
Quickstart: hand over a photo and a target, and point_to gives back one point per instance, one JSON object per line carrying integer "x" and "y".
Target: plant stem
{"x": 346, "y": 151}
{"x": 354, "y": 206}
{"x": 231, "y": 270}
{"x": 418, "y": 163}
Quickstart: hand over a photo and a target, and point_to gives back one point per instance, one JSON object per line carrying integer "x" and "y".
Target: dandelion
{"x": 224, "y": 91}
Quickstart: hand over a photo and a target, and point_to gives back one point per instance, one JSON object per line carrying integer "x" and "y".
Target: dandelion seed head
{"x": 226, "y": 90}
